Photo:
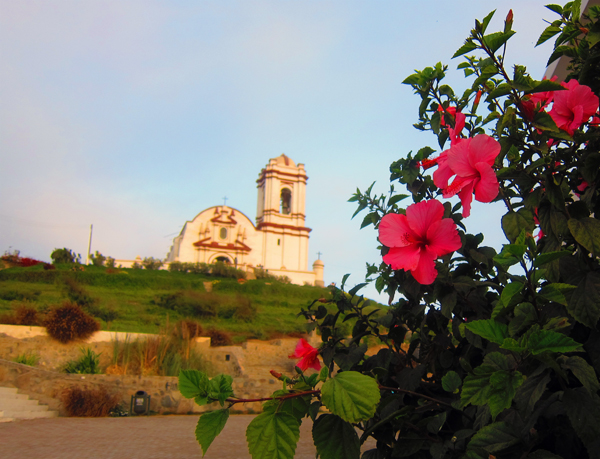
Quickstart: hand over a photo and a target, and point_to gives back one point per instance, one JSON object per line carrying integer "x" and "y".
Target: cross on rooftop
{"x": 225, "y": 200}
{"x": 319, "y": 255}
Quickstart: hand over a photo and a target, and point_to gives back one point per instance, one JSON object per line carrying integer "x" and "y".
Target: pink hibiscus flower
{"x": 573, "y": 107}
{"x": 308, "y": 355}
{"x": 418, "y": 238}
{"x": 471, "y": 160}
{"x": 537, "y": 101}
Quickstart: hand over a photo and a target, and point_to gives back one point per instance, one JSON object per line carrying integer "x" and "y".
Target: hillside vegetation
{"x": 146, "y": 301}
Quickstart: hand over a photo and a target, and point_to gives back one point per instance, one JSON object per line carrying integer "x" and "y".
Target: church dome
{"x": 284, "y": 160}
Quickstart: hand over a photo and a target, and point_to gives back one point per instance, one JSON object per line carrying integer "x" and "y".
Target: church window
{"x": 224, "y": 260}
{"x": 223, "y": 233}
{"x": 286, "y": 202}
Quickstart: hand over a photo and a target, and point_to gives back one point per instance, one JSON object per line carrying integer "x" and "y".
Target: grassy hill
{"x": 136, "y": 300}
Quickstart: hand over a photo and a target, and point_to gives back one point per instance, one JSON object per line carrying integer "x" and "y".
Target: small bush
{"x": 245, "y": 311}
{"x": 12, "y": 295}
{"x": 69, "y": 322}
{"x": 7, "y": 319}
{"x": 87, "y": 364}
{"x": 27, "y": 359}
{"x": 26, "y": 315}
{"x": 110, "y": 262}
{"x": 152, "y": 264}
{"x": 83, "y": 402}
{"x": 65, "y": 256}
{"x": 191, "y": 303}
{"x": 219, "y": 338}
{"x": 98, "y": 259}
{"x": 220, "y": 269}
{"x": 49, "y": 267}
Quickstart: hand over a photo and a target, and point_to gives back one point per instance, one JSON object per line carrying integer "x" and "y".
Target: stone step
{"x": 25, "y": 405}
{"x": 11, "y": 396}
{"x": 8, "y": 390}
{"x": 27, "y": 414}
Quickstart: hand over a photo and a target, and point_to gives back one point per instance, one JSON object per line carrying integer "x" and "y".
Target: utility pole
{"x": 87, "y": 260}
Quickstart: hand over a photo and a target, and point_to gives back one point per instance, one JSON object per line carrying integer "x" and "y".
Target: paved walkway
{"x": 154, "y": 437}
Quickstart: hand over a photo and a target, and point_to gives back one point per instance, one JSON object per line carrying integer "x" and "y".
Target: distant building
{"x": 278, "y": 243}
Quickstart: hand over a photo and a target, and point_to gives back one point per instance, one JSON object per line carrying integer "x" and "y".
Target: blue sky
{"x": 134, "y": 116}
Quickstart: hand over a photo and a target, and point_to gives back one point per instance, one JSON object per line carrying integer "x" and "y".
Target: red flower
{"x": 537, "y": 101}
{"x": 471, "y": 160}
{"x": 418, "y": 238}
{"x": 573, "y": 107}
{"x": 308, "y": 355}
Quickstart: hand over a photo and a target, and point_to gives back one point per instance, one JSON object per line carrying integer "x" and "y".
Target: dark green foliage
{"x": 69, "y": 322}
{"x": 88, "y": 363}
{"x": 65, "y": 256}
{"x": 89, "y": 402}
{"x": 21, "y": 295}
{"x": 152, "y": 264}
{"x": 76, "y": 293}
{"x": 193, "y": 303}
{"x": 98, "y": 259}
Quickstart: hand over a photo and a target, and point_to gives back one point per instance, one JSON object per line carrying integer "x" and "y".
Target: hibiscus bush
{"x": 485, "y": 354}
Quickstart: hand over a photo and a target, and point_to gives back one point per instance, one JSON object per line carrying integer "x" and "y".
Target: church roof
{"x": 285, "y": 160}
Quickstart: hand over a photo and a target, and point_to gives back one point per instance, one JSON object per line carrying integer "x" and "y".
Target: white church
{"x": 278, "y": 243}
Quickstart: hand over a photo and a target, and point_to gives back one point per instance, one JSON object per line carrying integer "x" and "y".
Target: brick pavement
{"x": 154, "y": 437}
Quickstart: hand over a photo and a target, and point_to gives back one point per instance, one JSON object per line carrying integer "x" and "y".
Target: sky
{"x": 136, "y": 115}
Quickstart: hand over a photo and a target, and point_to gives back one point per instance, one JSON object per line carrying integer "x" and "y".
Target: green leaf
{"x": 502, "y": 89}
{"x": 220, "y": 388}
{"x": 273, "y": 436}
{"x": 396, "y": 198}
{"x": 556, "y": 292}
{"x": 296, "y": 406}
{"x": 548, "y": 33}
{"x": 514, "y": 222}
{"x": 486, "y": 21}
{"x": 544, "y": 122}
{"x": 583, "y": 410}
{"x": 495, "y": 40}
{"x": 525, "y": 315}
{"x": 531, "y": 391}
{"x": 556, "y": 8}
{"x": 584, "y": 304}
{"x": 494, "y": 437}
{"x": 323, "y": 374}
{"x": 193, "y": 383}
{"x": 351, "y": 395}
{"x": 489, "y": 329}
{"x": 464, "y": 49}
{"x": 451, "y": 382}
{"x": 335, "y": 438}
{"x": 504, "y": 385}
{"x": 209, "y": 426}
{"x": 436, "y": 422}
{"x": 551, "y": 341}
{"x": 547, "y": 257}
{"x": 587, "y": 233}
{"x": 509, "y": 292}
{"x": 476, "y": 386}
{"x": 582, "y": 371}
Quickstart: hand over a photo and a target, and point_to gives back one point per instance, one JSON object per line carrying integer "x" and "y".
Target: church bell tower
{"x": 281, "y": 215}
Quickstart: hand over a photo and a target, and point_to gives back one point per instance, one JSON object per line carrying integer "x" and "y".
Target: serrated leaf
{"x": 323, "y": 374}
{"x": 525, "y": 315}
{"x": 509, "y": 292}
{"x": 551, "y": 341}
{"x": 464, "y": 49}
{"x": 548, "y": 33}
{"x": 583, "y": 410}
{"x": 547, "y": 257}
{"x": 495, "y": 40}
{"x": 504, "y": 385}
{"x": 489, "y": 329}
{"x": 584, "y": 372}
{"x": 547, "y": 85}
{"x": 556, "y": 292}
{"x": 584, "y": 304}
{"x": 220, "y": 389}
{"x": 502, "y": 89}
{"x": 335, "y": 438}
{"x": 209, "y": 426}
{"x": 351, "y": 396}
{"x": 451, "y": 382}
{"x": 476, "y": 386}
{"x": 512, "y": 344}
{"x": 514, "y": 222}
{"x": 193, "y": 383}
{"x": 587, "y": 233}
{"x": 273, "y": 436}
{"x": 296, "y": 406}
{"x": 531, "y": 391}
{"x": 494, "y": 438}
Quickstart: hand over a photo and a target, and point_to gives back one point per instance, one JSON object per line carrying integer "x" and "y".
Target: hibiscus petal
{"x": 421, "y": 215}
{"x": 302, "y": 349}
{"x": 466, "y": 197}
{"x": 443, "y": 173}
{"x": 458, "y": 159}
{"x": 395, "y": 231}
{"x": 443, "y": 237}
{"x": 406, "y": 258}
{"x": 483, "y": 149}
{"x": 425, "y": 272}
{"x": 486, "y": 188}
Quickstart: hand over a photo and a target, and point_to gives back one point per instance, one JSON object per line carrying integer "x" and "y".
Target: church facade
{"x": 277, "y": 243}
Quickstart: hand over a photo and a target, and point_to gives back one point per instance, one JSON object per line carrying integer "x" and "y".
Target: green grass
{"x": 135, "y": 294}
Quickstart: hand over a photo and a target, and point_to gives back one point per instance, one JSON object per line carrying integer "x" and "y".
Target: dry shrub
{"x": 26, "y": 315}
{"x": 187, "y": 329}
{"x": 116, "y": 369}
{"x": 97, "y": 402}
{"x": 69, "y": 322}
{"x": 219, "y": 338}
{"x": 8, "y": 319}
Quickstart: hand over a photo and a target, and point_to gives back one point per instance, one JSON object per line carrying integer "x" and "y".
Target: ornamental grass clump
{"x": 69, "y": 322}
